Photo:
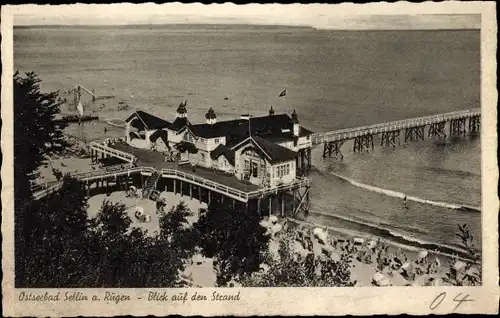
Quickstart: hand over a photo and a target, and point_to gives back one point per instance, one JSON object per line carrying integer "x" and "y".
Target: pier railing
{"x": 349, "y": 133}
{"x": 178, "y": 175}
{"x": 125, "y": 156}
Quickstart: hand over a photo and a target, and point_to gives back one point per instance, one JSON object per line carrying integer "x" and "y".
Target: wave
{"x": 399, "y": 240}
{"x": 401, "y": 195}
{"x": 369, "y": 224}
{"x": 116, "y": 122}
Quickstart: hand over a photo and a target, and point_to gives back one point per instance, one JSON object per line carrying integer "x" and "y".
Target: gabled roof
{"x": 184, "y": 146}
{"x": 163, "y": 134}
{"x": 149, "y": 121}
{"x": 222, "y": 150}
{"x": 179, "y": 123}
{"x": 239, "y": 127}
{"x": 274, "y": 153}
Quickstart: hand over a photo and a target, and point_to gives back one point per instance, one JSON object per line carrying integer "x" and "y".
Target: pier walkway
{"x": 413, "y": 127}
{"x": 146, "y": 163}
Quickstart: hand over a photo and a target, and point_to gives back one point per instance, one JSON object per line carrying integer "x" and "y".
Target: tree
{"x": 36, "y": 133}
{"x": 234, "y": 238}
{"x": 292, "y": 269}
{"x": 56, "y": 240}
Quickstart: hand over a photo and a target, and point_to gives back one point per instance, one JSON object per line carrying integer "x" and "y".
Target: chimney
{"x": 295, "y": 121}
{"x": 271, "y": 111}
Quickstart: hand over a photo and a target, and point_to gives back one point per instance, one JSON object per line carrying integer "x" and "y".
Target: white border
{"x": 281, "y": 301}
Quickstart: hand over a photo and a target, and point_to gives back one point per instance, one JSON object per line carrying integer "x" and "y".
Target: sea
{"x": 334, "y": 80}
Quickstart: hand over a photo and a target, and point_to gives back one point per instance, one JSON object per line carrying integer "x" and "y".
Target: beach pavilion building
{"x": 265, "y": 151}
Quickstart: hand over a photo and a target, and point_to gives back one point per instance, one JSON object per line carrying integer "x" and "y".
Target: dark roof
{"x": 184, "y": 146}
{"x": 274, "y": 153}
{"x": 163, "y": 134}
{"x": 222, "y": 150}
{"x": 238, "y": 128}
{"x": 179, "y": 123}
{"x": 150, "y": 121}
{"x": 304, "y": 132}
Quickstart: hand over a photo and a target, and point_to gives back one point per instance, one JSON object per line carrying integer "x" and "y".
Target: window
{"x": 247, "y": 165}
{"x": 281, "y": 170}
{"x": 308, "y": 137}
{"x": 255, "y": 169}
{"x": 188, "y": 137}
{"x": 202, "y": 156}
{"x": 216, "y": 140}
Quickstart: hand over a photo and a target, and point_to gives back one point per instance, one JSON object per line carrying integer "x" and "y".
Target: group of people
{"x": 172, "y": 156}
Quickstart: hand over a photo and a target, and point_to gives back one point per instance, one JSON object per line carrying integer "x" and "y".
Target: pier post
{"x": 331, "y": 149}
{"x": 258, "y": 206}
{"x": 199, "y": 194}
{"x": 270, "y": 204}
{"x": 437, "y": 130}
{"x": 190, "y": 191}
{"x": 474, "y": 124}
{"x": 175, "y": 186}
{"x": 389, "y": 138}
{"x": 309, "y": 160}
{"x": 182, "y": 194}
{"x": 363, "y": 143}
{"x": 414, "y": 133}
{"x": 209, "y": 197}
{"x": 282, "y": 204}
{"x": 457, "y": 126}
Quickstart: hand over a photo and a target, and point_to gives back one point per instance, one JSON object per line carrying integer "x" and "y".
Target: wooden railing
{"x": 178, "y": 175}
{"x": 200, "y": 181}
{"x": 112, "y": 152}
{"x": 350, "y": 133}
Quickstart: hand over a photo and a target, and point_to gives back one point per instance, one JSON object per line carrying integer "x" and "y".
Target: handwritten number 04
{"x": 439, "y": 299}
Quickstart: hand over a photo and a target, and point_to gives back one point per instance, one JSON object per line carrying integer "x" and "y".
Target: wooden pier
{"x": 202, "y": 184}
{"x": 459, "y": 123}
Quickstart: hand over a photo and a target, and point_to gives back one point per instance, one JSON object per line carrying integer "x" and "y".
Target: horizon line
{"x": 318, "y": 28}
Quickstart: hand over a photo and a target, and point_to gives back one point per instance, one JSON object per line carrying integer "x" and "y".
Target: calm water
{"x": 334, "y": 80}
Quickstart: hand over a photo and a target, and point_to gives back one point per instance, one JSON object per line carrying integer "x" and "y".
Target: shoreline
{"x": 411, "y": 243}
{"x": 351, "y": 234}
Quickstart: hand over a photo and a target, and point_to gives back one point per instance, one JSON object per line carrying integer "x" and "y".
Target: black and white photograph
{"x": 214, "y": 147}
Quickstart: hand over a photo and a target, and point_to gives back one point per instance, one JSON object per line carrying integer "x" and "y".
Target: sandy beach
{"x": 199, "y": 270}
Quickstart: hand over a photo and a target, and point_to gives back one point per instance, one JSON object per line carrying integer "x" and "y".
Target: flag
{"x": 283, "y": 93}
{"x": 80, "y": 108}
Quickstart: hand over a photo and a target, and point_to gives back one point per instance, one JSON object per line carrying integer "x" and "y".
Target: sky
{"x": 314, "y": 15}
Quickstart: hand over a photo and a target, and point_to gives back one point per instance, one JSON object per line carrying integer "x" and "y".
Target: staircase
{"x": 150, "y": 184}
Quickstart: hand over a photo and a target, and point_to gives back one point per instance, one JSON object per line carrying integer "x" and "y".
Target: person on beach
{"x": 404, "y": 202}
{"x": 105, "y": 130}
